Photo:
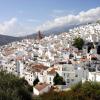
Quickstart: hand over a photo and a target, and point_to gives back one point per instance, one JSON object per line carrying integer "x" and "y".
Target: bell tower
{"x": 39, "y": 35}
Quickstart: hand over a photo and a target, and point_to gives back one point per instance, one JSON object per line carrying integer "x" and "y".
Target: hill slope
{"x": 4, "y": 39}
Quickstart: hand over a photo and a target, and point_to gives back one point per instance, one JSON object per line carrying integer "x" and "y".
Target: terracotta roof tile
{"x": 38, "y": 67}
{"x": 41, "y": 86}
{"x": 52, "y": 71}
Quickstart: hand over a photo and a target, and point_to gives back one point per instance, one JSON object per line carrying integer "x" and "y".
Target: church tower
{"x": 39, "y": 35}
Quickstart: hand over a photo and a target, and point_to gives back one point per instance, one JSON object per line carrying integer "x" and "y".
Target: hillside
{"x": 13, "y": 88}
{"x": 74, "y": 29}
{"x": 86, "y": 91}
{"x": 4, "y": 39}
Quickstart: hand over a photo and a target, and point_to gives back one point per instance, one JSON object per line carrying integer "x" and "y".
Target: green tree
{"x": 78, "y": 43}
{"x": 58, "y": 80}
{"x": 36, "y": 81}
{"x": 77, "y": 86}
{"x": 13, "y": 88}
{"x": 81, "y": 91}
{"x": 98, "y": 49}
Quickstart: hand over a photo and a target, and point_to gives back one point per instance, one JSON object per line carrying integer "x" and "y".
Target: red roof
{"x": 38, "y": 67}
{"x": 52, "y": 71}
{"x": 41, "y": 86}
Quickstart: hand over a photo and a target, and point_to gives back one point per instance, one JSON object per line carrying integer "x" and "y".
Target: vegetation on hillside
{"x": 14, "y": 88}
{"x": 85, "y": 91}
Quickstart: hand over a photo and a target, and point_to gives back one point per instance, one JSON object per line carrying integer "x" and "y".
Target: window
{"x": 50, "y": 78}
{"x": 72, "y": 79}
{"x": 68, "y": 75}
{"x": 68, "y": 80}
{"x": 76, "y": 75}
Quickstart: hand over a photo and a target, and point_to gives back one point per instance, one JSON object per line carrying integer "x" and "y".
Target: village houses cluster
{"x": 43, "y": 58}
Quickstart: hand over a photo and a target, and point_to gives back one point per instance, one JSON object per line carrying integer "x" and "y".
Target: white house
{"x": 20, "y": 68}
{"x": 72, "y": 73}
{"x": 29, "y": 76}
{"x": 41, "y": 88}
{"x": 66, "y": 71}
{"x": 94, "y": 76}
{"x": 51, "y": 72}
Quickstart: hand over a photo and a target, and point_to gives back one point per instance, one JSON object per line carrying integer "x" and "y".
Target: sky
{"x": 23, "y": 17}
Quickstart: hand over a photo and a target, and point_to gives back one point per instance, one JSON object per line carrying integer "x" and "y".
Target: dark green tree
{"x": 98, "y": 50}
{"x": 90, "y": 46}
{"x": 58, "y": 80}
{"x": 78, "y": 43}
{"x": 13, "y": 88}
{"x": 36, "y": 81}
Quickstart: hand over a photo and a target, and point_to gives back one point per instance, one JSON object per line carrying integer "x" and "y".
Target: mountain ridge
{"x": 5, "y": 39}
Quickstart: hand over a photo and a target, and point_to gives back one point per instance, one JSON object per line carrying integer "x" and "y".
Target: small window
{"x": 68, "y": 80}
{"x": 72, "y": 79}
{"x": 50, "y": 78}
{"x": 76, "y": 75}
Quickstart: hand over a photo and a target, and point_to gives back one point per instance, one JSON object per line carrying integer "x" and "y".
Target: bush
{"x": 58, "y": 80}
{"x": 85, "y": 91}
{"x": 78, "y": 43}
{"x": 13, "y": 88}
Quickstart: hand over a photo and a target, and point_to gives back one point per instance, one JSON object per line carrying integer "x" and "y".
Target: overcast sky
{"x": 22, "y": 17}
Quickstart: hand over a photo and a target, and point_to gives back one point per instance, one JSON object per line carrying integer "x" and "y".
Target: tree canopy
{"x": 58, "y": 80}
{"x": 85, "y": 91}
{"x": 13, "y": 88}
{"x": 98, "y": 50}
{"x": 36, "y": 81}
{"x": 78, "y": 43}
